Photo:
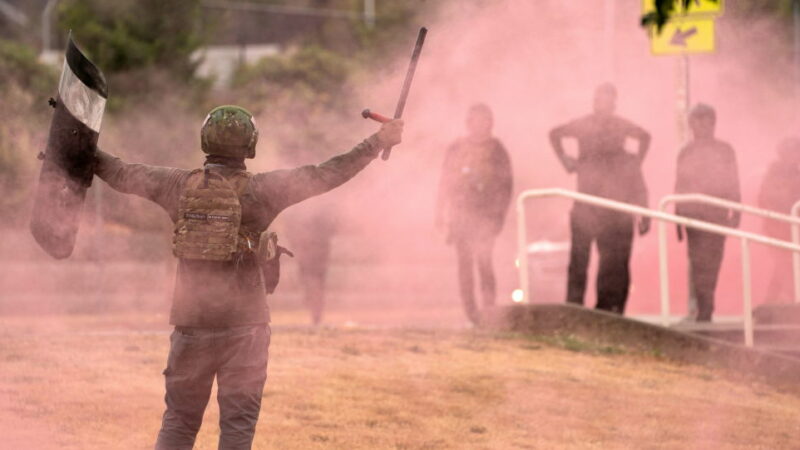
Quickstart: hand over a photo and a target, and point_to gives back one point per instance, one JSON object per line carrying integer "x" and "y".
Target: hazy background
{"x": 307, "y": 76}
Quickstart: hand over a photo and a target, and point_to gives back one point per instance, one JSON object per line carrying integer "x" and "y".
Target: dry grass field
{"x": 95, "y": 383}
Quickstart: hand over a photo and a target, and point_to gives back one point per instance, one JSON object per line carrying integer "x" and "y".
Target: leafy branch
{"x": 665, "y": 10}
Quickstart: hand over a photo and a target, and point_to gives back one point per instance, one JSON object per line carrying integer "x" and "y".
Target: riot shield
{"x": 68, "y": 160}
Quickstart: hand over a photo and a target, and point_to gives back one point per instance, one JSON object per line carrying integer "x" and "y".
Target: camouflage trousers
{"x": 237, "y": 358}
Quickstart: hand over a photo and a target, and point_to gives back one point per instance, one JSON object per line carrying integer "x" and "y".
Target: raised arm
{"x": 283, "y": 188}
{"x": 157, "y": 184}
{"x": 640, "y": 135}
{"x": 557, "y": 135}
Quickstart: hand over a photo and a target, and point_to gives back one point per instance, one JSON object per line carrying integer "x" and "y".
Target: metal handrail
{"x": 792, "y": 219}
{"x": 795, "y": 212}
{"x": 745, "y": 237}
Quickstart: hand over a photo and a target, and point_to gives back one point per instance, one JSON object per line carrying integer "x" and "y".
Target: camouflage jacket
{"x": 217, "y": 293}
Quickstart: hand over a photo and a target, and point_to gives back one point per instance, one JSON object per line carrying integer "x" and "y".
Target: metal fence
{"x": 792, "y": 219}
{"x": 663, "y": 218}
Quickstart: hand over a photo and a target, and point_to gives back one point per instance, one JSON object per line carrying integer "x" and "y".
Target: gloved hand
{"x": 679, "y": 229}
{"x": 644, "y": 225}
{"x": 390, "y": 134}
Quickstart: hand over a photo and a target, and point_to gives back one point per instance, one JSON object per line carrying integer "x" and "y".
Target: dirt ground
{"x": 94, "y": 382}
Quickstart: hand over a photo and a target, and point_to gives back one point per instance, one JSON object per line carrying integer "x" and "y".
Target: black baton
{"x": 401, "y": 103}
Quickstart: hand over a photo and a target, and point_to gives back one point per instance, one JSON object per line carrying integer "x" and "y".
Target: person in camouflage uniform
{"x": 219, "y": 308}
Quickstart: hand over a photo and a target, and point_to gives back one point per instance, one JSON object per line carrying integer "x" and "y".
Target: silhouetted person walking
{"x": 706, "y": 166}
{"x": 310, "y": 232}
{"x": 309, "y": 228}
{"x": 604, "y": 169}
{"x": 474, "y": 194}
{"x": 780, "y": 189}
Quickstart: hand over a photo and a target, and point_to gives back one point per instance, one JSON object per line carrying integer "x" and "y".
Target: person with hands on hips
{"x": 606, "y": 169}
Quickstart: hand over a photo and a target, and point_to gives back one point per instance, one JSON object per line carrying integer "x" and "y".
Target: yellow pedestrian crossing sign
{"x": 696, "y": 7}
{"x": 689, "y": 35}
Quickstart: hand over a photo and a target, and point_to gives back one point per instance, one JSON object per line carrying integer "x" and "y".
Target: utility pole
{"x": 796, "y": 20}
{"x": 683, "y": 104}
{"x": 683, "y": 98}
{"x": 13, "y": 14}
{"x": 369, "y": 13}
{"x": 609, "y": 24}
{"x": 47, "y": 23}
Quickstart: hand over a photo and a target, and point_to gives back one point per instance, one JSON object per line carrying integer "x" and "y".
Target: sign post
{"x": 689, "y": 30}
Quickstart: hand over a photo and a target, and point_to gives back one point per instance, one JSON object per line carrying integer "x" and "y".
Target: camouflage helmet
{"x": 229, "y": 130}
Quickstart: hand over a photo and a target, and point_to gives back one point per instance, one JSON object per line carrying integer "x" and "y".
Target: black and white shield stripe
{"x": 82, "y": 88}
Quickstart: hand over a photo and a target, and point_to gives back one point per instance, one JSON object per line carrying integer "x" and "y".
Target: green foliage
{"x": 664, "y": 10}
{"x": 25, "y": 85}
{"x": 394, "y": 31}
{"x": 127, "y": 35}
{"x": 312, "y": 74}
{"x": 309, "y": 88}
{"x": 13, "y": 172}
{"x": 20, "y": 67}
{"x": 144, "y": 47}
{"x": 744, "y": 11}
{"x": 292, "y": 91}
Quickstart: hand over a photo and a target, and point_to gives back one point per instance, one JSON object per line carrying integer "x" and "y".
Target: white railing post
{"x": 47, "y": 25}
{"x": 369, "y": 13}
{"x": 522, "y": 250}
{"x": 663, "y": 272}
{"x": 796, "y": 255}
{"x": 747, "y": 292}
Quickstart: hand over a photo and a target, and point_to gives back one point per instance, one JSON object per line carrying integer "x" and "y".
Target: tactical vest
{"x": 209, "y": 218}
{"x": 209, "y": 226}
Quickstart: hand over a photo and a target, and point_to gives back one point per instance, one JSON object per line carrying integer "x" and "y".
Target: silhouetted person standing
{"x": 310, "y": 232}
{"x": 706, "y": 166}
{"x": 604, "y": 169}
{"x": 310, "y": 228}
{"x": 780, "y": 189}
{"x": 474, "y": 194}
